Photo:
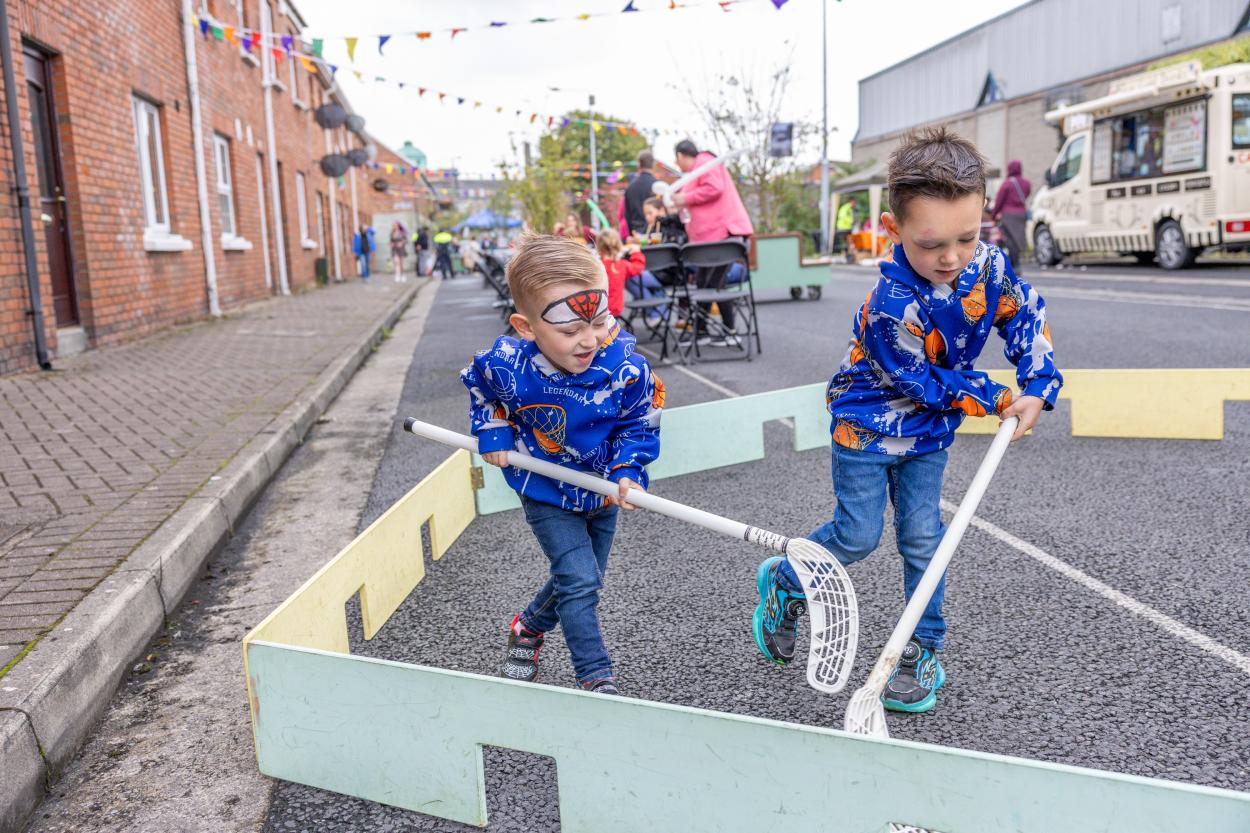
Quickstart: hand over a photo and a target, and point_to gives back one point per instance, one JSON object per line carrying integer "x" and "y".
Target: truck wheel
{"x": 1170, "y": 248}
{"x": 796, "y": 292}
{"x": 1045, "y": 250}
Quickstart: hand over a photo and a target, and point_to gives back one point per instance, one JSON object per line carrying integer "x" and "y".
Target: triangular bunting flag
{"x": 497, "y": 23}
{"x": 203, "y": 27}
{"x": 218, "y": 33}
{"x": 247, "y": 43}
{"x": 358, "y": 74}
{"x": 316, "y": 47}
{"x": 457, "y": 31}
{"x": 459, "y": 99}
{"x": 351, "y": 50}
{"x": 420, "y": 91}
{"x": 441, "y": 96}
{"x": 308, "y": 64}
{"x": 382, "y": 39}
{"x": 629, "y": 7}
{"x": 424, "y": 35}
{"x": 288, "y": 43}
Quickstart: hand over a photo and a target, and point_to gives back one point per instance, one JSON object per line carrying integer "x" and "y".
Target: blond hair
{"x": 608, "y": 243}
{"x": 545, "y": 259}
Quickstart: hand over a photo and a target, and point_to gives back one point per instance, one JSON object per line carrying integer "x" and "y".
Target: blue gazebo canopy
{"x": 486, "y": 219}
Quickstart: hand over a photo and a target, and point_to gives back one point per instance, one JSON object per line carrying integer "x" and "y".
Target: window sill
{"x": 299, "y": 105}
{"x": 309, "y": 244}
{"x": 230, "y": 243}
{"x": 278, "y": 85}
{"x": 163, "y": 241}
{"x": 249, "y": 58}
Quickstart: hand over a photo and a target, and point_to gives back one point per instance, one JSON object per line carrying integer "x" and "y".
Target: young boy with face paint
{"x": 905, "y": 385}
{"x": 570, "y": 391}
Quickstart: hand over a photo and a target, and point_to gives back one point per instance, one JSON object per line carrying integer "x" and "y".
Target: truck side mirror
{"x": 1050, "y": 178}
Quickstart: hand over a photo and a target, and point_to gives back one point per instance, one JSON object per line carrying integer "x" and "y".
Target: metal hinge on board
{"x": 477, "y": 479}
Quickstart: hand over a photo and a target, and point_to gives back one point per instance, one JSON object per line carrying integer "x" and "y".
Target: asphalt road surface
{"x": 1041, "y": 665}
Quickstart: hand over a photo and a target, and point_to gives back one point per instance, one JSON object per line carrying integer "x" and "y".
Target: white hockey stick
{"x": 864, "y": 714}
{"x": 665, "y": 191}
{"x": 833, "y": 614}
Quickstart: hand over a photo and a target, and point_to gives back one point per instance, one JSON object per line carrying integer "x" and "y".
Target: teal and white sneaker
{"x": 915, "y": 682}
{"x": 776, "y": 618}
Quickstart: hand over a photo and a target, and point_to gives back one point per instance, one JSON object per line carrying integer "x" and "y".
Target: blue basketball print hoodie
{"x": 604, "y": 420}
{"x": 907, "y": 380}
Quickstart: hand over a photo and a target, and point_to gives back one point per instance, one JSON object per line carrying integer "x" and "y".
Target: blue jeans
{"x": 646, "y": 286}
{"x": 577, "y": 544}
{"x": 861, "y": 481}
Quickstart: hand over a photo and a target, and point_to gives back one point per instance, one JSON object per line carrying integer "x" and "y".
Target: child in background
{"x": 571, "y": 391}
{"x": 622, "y": 263}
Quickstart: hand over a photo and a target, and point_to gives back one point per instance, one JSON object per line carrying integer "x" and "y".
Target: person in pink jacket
{"x": 716, "y": 213}
{"x": 716, "y": 210}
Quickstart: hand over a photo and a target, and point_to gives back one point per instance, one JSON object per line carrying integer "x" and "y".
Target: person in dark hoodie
{"x": 638, "y": 192}
{"x": 573, "y": 391}
{"x": 1011, "y": 212}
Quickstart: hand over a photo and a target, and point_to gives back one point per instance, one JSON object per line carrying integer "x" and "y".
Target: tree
{"x": 542, "y": 193}
{"x": 569, "y": 143}
{"x": 739, "y": 111}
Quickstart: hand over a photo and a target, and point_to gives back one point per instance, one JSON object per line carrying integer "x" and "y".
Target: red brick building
{"x": 106, "y": 129}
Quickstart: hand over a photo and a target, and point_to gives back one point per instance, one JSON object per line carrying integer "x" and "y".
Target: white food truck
{"x": 1158, "y": 168}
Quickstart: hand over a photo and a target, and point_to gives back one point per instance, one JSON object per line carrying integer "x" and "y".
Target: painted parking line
{"x": 1161, "y": 620}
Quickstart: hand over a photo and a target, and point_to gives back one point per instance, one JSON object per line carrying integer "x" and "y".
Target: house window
{"x": 301, "y": 204}
{"x": 1241, "y": 121}
{"x": 225, "y": 190}
{"x": 151, "y": 165}
{"x": 297, "y": 73}
{"x": 266, "y": 52}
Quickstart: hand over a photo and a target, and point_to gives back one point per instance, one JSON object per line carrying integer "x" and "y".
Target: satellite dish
{"x": 355, "y": 123}
{"x": 380, "y": 185}
{"x": 357, "y": 156}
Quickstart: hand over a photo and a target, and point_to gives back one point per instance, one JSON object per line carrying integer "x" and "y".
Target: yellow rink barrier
{"x": 412, "y": 736}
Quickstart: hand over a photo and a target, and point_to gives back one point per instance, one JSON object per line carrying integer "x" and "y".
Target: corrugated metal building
{"x": 994, "y": 82}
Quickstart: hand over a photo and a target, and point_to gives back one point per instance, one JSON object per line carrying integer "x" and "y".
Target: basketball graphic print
{"x": 550, "y": 424}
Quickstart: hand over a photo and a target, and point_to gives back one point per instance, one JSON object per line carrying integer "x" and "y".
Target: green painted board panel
{"x": 777, "y": 265}
{"x": 692, "y": 437}
{"x": 411, "y": 736}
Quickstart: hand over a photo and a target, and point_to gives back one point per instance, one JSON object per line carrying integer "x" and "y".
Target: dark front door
{"x": 51, "y": 209}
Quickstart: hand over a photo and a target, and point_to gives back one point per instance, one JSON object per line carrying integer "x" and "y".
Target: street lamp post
{"x": 824, "y": 128}
{"x": 594, "y": 167}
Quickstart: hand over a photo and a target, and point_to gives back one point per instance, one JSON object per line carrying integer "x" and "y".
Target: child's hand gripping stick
{"x": 832, "y": 610}
{"x": 864, "y": 714}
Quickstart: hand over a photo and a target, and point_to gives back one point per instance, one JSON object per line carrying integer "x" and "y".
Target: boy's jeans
{"x": 861, "y": 481}
{"x": 577, "y": 545}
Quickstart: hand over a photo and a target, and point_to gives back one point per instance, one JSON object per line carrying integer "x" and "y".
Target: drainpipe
{"x": 197, "y": 142}
{"x": 334, "y": 215}
{"x": 22, "y": 189}
{"x": 266, "y": 63}
{"x": 355, "y": 213}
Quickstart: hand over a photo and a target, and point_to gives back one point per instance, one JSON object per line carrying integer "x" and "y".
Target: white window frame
{"x": 157, "y": 233}
{"x": 292, "y": 61}
{"x": 224, "y": 184}
{"x": 301, "y": 204}
{"x": 141, "y": 109}
{"x": 266, "y": 53}
{"x": 321, "y": 243}
{"x": 248, "y": 57}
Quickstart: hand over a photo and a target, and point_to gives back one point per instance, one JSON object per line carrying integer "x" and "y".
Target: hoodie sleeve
{"x": 635, "y": 264}
{"x": 706, "y": 188}
{"x": 1021, "y": 321}
{"x": 897, "y": 348}
{"x": 488, "y": 417}
{"x": 635, "y": 441}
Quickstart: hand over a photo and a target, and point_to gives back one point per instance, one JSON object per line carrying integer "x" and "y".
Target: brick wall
{"x": 102, "y": 55}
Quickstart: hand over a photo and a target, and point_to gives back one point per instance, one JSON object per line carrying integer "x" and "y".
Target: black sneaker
{"x": 915, "y": 682}
{"x": 604, "y": 686}
{"x": 520, "y": 662}
{"x": 776, "y": 619}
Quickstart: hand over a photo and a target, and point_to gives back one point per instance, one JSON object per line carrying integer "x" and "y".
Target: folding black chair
{"x": 712, "y": 262}
{"x": 492, "y": 266}
{"x": 664, "y": 262}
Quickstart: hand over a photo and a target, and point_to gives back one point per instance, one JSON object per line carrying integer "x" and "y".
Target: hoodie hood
{"x": 1014, "y": 168}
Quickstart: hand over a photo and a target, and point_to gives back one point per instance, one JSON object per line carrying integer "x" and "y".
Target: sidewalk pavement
{"x": 120, "y": 472}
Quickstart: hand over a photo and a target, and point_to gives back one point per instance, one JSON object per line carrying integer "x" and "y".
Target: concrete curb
{"x": 51, "y": 700}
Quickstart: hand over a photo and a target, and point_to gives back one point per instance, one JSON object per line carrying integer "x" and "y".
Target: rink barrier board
{"x": 412, "y": 736}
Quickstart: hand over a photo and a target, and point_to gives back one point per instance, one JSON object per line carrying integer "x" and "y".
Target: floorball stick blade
{"x": 865, "y": 715}
{"x": 832, "y": 614}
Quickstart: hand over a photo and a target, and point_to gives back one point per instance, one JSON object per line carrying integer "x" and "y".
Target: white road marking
{"x": 1161, "y": 620}
{"x": 1145, "y": 611}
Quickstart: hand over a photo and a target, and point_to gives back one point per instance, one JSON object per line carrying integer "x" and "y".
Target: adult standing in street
{"x": 442, "y": 259}
{"x": 422, "y": 247}
{"x": 399, "y": 250}
{"x": 845, "y": 225}
{"x": 1011, "y": 212}
{"x": 716, "y": 213}
{"x": 638, "y": 192}
{"x": 362, "y": 246}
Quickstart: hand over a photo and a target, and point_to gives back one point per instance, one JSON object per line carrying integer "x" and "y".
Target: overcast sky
{"x": 641, "y": 67}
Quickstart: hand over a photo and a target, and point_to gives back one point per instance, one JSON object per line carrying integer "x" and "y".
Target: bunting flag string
{"x": 630, "y": 7}
{"x": 311, "y": 60}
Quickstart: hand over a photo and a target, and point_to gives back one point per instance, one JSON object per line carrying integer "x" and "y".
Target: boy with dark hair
{"x": 570, "y": 391}
{"x": 905, "y": 385}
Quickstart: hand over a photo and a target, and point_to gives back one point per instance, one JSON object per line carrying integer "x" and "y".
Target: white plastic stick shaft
{"x": 942, "y": 557}
{"x": 725, "y": 526}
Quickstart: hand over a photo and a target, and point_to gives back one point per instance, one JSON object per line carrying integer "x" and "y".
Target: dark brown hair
{"x": 934, "y": 163}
